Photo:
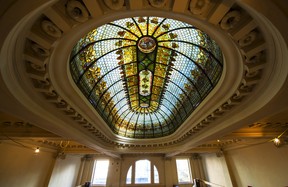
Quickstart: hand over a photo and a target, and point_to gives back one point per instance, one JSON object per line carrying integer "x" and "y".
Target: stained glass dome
{"x": 145, "y": 75}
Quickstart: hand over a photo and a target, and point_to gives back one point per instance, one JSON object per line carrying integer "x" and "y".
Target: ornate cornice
{"x": 233, "y": 20}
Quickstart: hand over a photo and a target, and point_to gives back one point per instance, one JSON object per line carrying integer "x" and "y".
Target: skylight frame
{"x": 168, "y": 116}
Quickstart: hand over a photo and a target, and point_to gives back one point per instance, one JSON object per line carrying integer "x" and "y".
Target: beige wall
{"x": 65, "y": 171}
{"x": 215, "y": 169}
{"x": 20, "y": 166}
{"x": 262, "y": 165}
{"x": 114, "y": 173}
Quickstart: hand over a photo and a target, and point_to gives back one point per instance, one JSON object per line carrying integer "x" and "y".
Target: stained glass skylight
{"x": 146, "y": 75}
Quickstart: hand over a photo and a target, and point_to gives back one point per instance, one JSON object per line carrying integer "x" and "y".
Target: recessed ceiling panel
{"x": 146, "y": 75}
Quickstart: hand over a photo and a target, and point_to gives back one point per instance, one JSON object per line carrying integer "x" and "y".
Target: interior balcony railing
{"x": 203, "y": 183}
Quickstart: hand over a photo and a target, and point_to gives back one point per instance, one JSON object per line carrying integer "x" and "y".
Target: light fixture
{"x": 63, "y": 145}
{"x": 37, "y": 150}
{"x": 277, "y": 141}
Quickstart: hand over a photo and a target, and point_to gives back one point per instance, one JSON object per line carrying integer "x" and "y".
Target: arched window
{"x": 156, "y": 175}
{"x": 142, "y": 173}
{"x": 129, "y": 176}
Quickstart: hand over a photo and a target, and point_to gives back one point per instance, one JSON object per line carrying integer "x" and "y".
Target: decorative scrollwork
{"x": 257, "y": 58}
{"x": 251, "y": 74}
{"x": 45, "y": 82}
{"x": 230, "y": 20}
{"x": 198, "y": 6}
{"x": 114, "y": 4}
{"x": 158, "y": 3}
{"x": 248, "y": 39}
{"x": 37, "y": 67}
{"x": 237, "y": 96}
{"x": 61, "y": 103}
{"x": 40, "y": 51}
{"x": 51, "y": 29}
{"x": 51, "y": 94}
{"x": 77, "y": 11}
{"x": 245, "y": 87}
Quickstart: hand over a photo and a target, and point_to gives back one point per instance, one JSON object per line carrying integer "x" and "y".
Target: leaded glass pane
{"x": 145, "y": 75}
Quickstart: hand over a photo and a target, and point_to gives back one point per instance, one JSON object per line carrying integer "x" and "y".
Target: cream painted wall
{"x": 262, "y": 165}
{"x": 114, "y": 172}
{"x": 20, "y": 167}
{"x": 170, "y": 174}
{"x": 86, "y": 170}
{"x": 65, "y": 171}
{"x": 215, "y": 169}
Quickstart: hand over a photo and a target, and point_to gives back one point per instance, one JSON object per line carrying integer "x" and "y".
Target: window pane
{"x": 183, "y": 171}
{"x": 100, "y": 172}
{"x": 156, "y": 175}
{"x": 142, "y": 172}
{"x": 129, "y": 176}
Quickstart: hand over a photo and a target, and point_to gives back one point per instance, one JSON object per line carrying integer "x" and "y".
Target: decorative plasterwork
{"x": 64, "y": 146}
{"x": 114, "y": 5}
{"x": 274, "y": 125}
{"x": 58, "y": 20}
{"x": 158, "y": 3}
{"x": 15, "y": 124}
{"x": 220, "y": 143}
{"x": 21, "y": 133}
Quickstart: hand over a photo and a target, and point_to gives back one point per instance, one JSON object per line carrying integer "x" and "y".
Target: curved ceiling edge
{"x": 232, "y": 74}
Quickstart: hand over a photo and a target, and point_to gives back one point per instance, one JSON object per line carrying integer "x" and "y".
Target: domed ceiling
{"x": 145, "y": 75}
{"x": 151, "y": 79}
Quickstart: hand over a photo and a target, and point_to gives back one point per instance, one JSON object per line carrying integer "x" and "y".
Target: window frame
{"x": 190, "y": 175}
{"x": 133, "y": 174}
{"x": 142, "y": 164}
{"x": 94, "y": 170}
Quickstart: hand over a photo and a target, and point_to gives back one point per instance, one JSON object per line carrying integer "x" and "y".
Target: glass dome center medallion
{"x": 146, "y": 44}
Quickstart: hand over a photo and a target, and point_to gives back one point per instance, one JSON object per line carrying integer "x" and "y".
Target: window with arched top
{"x": 156, "y": 175}
{"x": 142, "y": 172}
{"x": 129, "y": 176}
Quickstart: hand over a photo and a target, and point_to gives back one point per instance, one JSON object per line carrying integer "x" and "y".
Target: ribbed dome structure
{"x": 146, "y": 75}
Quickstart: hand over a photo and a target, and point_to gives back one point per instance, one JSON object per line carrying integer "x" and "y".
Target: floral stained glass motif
{"x": 146, "y": 75}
